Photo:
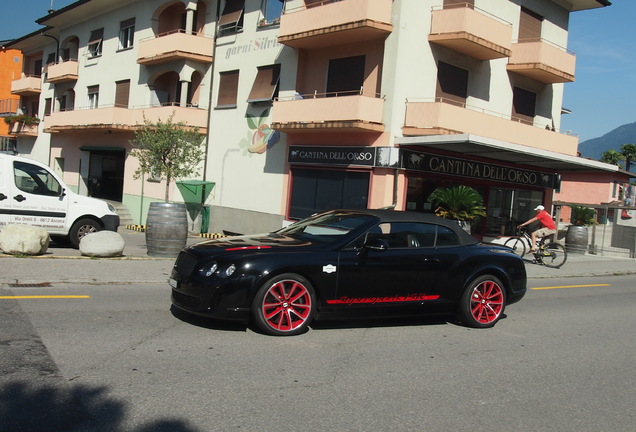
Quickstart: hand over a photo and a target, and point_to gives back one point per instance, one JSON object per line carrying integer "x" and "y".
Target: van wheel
{"x": 80, "y": 229}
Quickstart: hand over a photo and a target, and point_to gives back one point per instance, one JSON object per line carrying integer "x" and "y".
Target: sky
{"x": 601, "y": 99}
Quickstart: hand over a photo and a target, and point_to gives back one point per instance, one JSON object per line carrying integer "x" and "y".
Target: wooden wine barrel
{"x": 576, "y": 239}
{"x": 166, "y": 229}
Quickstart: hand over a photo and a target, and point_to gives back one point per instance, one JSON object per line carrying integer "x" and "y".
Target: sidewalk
{"x": 67, "y": 265}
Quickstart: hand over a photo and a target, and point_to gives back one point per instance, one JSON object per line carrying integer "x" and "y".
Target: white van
{"x": 32, "y": 194}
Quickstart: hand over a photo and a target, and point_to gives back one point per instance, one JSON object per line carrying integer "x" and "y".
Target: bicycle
{"x": 550, "y": 253}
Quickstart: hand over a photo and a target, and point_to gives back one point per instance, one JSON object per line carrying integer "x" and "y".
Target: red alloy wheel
{"x": 487, "y": 302}
{"x": 287, "y": 305}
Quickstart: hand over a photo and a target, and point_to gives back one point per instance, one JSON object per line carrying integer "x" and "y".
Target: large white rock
{"x": 23, "y": 239}
{"x": 102, "y": 244}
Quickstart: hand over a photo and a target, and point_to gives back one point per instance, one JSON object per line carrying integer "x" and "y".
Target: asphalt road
{"x": 115, "y": 358}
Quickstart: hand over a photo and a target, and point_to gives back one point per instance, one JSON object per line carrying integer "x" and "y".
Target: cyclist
{"x": 548, "y": 227}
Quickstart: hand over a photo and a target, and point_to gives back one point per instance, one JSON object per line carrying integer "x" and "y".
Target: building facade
{"x": 308, "y": 105}
{"x": 10, "y": 69}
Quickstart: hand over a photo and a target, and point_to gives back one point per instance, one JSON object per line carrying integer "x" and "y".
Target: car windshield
{"x": 326, "y": 227}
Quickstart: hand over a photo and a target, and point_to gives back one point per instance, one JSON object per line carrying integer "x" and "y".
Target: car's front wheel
{"x": 483, "y": 302}
{"x": 284, "y": 305}
{"x": 80, "y": 229}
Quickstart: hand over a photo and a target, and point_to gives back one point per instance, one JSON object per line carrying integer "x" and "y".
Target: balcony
{"x": 62, "y": 72}
{"x": 118, "y": 119}
{"x": 334, "y": 23}
{"x": 23, "y": 129}
{"x": 316, "y": 113}
{"x": 472, "y": 32}
{"x": 439, "y": 118}
{"x": 26, "y": 86}
{"x": 542, "y": 61}
{"x": 174, "y": 46}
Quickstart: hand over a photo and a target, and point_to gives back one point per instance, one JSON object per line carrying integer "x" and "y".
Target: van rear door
{"x": 37, "y": 198}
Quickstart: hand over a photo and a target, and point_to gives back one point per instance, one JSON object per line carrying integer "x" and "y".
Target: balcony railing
{"x": 26, "y": 85}
{"x": 437, "y": 117}
{"x": 123, "y": 119}
{"x": 328, "y": 112}
{"x": 333, "y": 23}
{"x": 471, "y": 31}
{"x": 62, "y": 72}
{"x": 542, "y": 61}
{"x": 173, "y": 46}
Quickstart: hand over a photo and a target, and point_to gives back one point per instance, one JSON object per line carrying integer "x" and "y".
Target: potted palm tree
{"x": 461, "y": 203}
{"x": 577, "y": 234}
{"x": 167, "y": 150}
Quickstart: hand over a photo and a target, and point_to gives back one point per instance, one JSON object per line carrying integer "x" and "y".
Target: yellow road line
{"x": 45, "y": 297}
{"x": 570, "y": 286}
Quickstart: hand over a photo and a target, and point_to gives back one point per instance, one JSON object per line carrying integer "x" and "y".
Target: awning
{"x": 477, "y": 146}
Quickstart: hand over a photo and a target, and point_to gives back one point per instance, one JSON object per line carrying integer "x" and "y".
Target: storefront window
{"x": 507, "y": 208}
{"x": 316, "y": 190}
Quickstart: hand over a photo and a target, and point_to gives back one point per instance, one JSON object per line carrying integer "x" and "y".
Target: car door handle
{"x": 431, "y": 260}
{"x": 3, "y": 197}
{"x": 19, "y": 198}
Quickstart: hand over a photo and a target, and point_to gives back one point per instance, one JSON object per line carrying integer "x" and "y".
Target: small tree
{"x": 612, "y": 157}
{"x": 167, "y": 149}
{"x": 629, "y": 154}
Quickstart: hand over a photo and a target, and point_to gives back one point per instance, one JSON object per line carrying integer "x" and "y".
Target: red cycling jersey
{"x": 546, "y": 220}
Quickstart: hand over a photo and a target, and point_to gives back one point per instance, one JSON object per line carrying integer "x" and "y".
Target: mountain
{"x": 595, "y": 147}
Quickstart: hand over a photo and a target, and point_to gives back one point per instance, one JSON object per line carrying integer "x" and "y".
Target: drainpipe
{"x": 395, "y": 191}
{"x": 207, "y": 135}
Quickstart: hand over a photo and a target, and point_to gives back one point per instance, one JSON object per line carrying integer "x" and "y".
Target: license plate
{"x": 173, "y": 283}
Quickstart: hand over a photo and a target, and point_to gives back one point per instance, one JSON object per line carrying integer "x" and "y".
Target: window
{"x": 228, "y": 89}
{"x": 122, "y": 91}
{"x": 270, "y": 12}
{"x": 231, "y": 20}
{"x": 50, "y": 59}
{"x": 452, "y": 83}
{"x": 93, "y": 97}
{"x": 265, "y": 86}
{"x": 48, "y": 102}
{"x": 523, "y": 105}
{"x": 345, "y": 76}
{"x": 414, "y": 235}
{"x": 126, "y": 34}
{"x": 36, "y": 180}
{"x": 95, "y": 43}
{"x": 529, "y": 26}
{"x": 316, "y": 190}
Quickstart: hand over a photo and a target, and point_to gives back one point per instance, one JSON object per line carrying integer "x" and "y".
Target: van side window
{"x": 35, "y": 180}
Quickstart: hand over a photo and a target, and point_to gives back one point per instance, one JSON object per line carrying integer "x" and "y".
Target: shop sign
{"x": 349, "y": 156}
{"x": 438, "y": 164}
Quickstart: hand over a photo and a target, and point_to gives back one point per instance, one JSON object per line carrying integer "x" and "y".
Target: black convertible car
{"x": 349, "y": 263}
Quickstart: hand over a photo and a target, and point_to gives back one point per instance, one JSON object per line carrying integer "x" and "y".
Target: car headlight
{"x": 227, "y": 271}
{"x": 208, "y": 269}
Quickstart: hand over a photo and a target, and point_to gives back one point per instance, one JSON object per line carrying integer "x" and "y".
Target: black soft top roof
{"x": 406, "y": 216}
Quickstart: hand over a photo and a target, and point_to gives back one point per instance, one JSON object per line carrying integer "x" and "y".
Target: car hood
{"x": 249, "y": 242}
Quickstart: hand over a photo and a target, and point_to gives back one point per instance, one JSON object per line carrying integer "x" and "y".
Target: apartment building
{"x": 10, "y": 68}
{"x": 307, "y": 105}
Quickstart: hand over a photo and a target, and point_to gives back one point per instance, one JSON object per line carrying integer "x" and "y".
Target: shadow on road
{"x": 28, "y": 407}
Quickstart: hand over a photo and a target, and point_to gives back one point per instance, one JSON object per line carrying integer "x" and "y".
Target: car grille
{"x": 185, "y": 301}
{"x": 185, "y": 264}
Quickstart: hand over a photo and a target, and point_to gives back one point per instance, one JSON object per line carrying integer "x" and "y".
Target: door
{"x": 106, "y": 174}
{"x": 408, "y": 271}
{"x": 37, "y": 198}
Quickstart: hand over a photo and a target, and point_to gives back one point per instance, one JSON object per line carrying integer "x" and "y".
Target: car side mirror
{"x": 376, "y": 244}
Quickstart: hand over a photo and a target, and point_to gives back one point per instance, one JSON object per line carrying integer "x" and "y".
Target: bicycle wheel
{"x": 554, "y": 255}
{"x": 517, "y": 244}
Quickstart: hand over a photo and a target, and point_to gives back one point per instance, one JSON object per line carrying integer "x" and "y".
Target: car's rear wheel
{"x": 483, "y": 302}
{"x": 284, "y": 305}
